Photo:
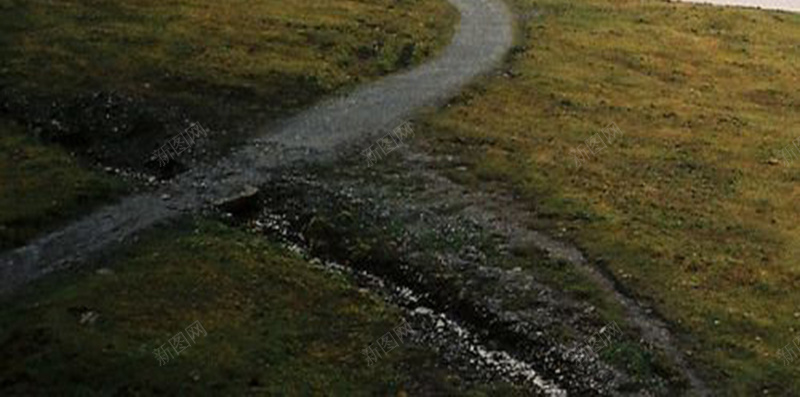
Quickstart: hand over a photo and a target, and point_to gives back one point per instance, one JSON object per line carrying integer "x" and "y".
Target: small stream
{"x": 459, "y": 348}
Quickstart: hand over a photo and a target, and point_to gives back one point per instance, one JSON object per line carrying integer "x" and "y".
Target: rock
{"x": 241, "y": 202}
{"x": 88, "y": 318}
{"x": 773, "y": 161}
{"x": 423, "y": 310}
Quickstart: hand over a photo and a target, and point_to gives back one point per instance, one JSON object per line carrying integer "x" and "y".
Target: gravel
{"x": 318, "y": 135}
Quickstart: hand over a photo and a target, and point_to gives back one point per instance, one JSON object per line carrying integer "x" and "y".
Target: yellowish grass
{"x": 686, "y": 208}
{"x": 260, "y": 46}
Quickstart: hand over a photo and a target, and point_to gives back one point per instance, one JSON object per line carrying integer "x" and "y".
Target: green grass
{"x": 276, "y": 326}
{"x": 112, "y": 80}
{"x": 42, "y": 186}
{"x": 285, "y": 53}
{"x": 685, "y": 209}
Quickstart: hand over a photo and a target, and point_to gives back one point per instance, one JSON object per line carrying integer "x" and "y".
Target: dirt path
{"x": 319, "y": 134}
{"x": 785, "y": 5}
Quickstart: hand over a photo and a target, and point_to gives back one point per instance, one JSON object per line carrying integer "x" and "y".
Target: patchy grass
{"x": 42, "y": 185}
{"x": 409, "y": 249}
{"x": 688, "y": 209}
{"x": 276, "y": 326}
{"x": 113, "y": 80}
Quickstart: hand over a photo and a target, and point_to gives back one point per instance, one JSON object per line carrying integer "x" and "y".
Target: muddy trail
{"x": 320, "y": 134}
{"x": 465, "y": 256}
{"x": 463, "y": 264}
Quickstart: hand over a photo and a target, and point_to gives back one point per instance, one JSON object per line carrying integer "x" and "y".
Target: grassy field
{"x": 690, "y": 209}
{"x": 112, "y": 80}
{"x": 41, "y": 183}
{"x": 275, "y": 326}
{"x": 282, "y": 53}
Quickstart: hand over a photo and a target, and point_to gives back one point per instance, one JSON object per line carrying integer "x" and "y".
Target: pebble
{"x": 88, "y": 318}
{"x": 104, "y": 271}
{"x": 423, "y": 310}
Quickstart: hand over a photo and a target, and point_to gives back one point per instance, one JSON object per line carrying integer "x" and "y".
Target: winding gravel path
{"x": 318, "y": 135}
